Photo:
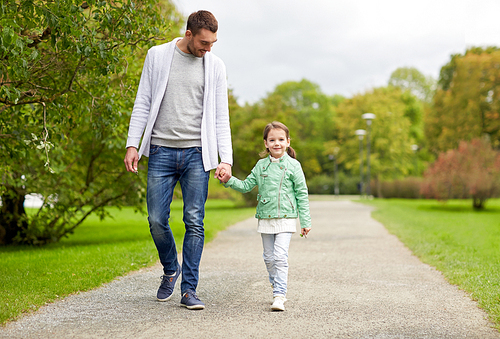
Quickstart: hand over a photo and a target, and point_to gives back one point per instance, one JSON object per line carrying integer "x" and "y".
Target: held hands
{"x": 223, "y": 172}
{"x": 304, "y": 231}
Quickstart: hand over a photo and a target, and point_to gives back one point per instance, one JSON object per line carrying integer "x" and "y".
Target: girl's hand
{"x": 222, "y": 176}
{"x": 304, "y": 231}
{"x": 223, "y": 172}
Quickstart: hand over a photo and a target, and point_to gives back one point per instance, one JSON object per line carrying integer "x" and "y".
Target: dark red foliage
{"x": 471, "y": 171}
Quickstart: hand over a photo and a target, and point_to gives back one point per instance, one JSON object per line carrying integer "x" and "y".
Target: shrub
{"x": 407, "y": 188}
{"x": 471, "y": 171}
{"x": 321, "y": 184}
{"x": 325, "y": 184}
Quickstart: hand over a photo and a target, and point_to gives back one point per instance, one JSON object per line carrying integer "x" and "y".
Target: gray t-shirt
{"x": 178, "y": 124}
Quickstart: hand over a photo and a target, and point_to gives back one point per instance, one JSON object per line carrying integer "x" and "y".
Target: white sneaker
{"x": 279, "y": 303}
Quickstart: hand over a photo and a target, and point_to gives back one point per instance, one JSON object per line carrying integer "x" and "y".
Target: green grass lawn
{"x": 461, "y": 243}
{"x": 96, "y": 253}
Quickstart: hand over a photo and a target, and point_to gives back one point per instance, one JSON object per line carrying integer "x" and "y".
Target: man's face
{"x": 200, "y": 43}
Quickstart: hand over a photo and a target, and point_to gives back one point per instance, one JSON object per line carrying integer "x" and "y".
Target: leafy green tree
{"x": 412, "y": 80}
{"x": 308, "y": 113}
{"x": 470, "y": 172}
{"x": 447, "y": 71}
{"x": 467, "y": 102}
{"x": 68, "y": 75}
{"x": 418, "y": 92}
{"x": 391, "y": 139}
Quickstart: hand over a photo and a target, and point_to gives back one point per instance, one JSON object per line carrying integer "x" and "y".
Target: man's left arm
{"x": 224, "y": 144}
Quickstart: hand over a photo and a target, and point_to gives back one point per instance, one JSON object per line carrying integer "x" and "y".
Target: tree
{"x": 418, "y": 92}
{"x": 467, "y": 102}
{"x": 68, "y": 74}
{"x": 412, "y": 80}
{"x": 308, "y": 113}
{"x": 391, "y": 155}
{"x": 471, "y": 171}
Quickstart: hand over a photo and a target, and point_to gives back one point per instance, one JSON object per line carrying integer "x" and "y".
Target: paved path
{"x": 349, "y": 279}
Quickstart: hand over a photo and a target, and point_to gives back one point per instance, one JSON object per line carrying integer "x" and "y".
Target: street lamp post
{"x": 335, "y": 169}
{"x": 360, "y": 133}
{"x": 368, "y": 117}
{"x": 414, "y": 148}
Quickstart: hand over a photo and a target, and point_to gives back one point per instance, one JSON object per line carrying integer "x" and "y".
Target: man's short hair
{"x": 202, "y": 19}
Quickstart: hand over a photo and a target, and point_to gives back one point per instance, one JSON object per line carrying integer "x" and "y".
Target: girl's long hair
{"x": 277, "y": 125}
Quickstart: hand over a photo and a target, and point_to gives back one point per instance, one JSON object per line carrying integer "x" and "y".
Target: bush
{"x": 408, "y": 188}
{"x": 321, "y": 184}
{"x": 325, "y": 184}
{"x": 471, "y": 171}
{"x": 216, "y": 190}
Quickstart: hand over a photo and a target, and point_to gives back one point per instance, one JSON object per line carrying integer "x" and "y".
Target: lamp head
{"x": 368, "y": 117}
{"x": 360, "y": 133}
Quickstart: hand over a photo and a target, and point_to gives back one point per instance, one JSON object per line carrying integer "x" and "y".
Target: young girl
{"x": 281, "y": 199}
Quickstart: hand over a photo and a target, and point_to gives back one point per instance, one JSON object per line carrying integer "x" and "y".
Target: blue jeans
{"x": 276, "y": 260}
{"x": 166, "y": 167}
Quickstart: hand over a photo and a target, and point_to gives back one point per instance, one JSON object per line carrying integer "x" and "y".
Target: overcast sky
{"x": 346, "y": 47}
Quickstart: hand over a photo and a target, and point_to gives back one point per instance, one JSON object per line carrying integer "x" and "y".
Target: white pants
{"x": 276, "y": 259}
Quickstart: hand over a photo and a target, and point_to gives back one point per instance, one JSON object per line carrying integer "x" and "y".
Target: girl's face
{"x": 277, "y": 142}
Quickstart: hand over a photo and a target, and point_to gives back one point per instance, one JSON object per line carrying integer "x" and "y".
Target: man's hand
{"x": 223, "y": 172}
{"x": 131, "y": 159}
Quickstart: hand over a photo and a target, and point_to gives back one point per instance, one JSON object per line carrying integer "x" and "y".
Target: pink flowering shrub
{"x": 471, "y": 171}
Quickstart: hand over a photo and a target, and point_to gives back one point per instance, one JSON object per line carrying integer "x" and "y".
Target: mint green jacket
{"x": 282, "y": 189}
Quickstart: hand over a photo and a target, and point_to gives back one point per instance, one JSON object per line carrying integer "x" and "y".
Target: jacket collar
{"x": 282, "y": 160}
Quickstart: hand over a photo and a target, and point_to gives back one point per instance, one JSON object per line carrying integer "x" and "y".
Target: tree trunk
{"x": 378, "y": 184}
{"x": 478, "y": 203}
{"x": 12, "y": 216}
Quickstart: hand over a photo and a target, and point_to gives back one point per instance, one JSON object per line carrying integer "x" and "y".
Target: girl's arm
{"x": 243, "y": 186}
{"x": 302, "y": 197}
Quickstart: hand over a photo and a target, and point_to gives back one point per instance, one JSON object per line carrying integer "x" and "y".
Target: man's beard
{"x": 191, "y": 49}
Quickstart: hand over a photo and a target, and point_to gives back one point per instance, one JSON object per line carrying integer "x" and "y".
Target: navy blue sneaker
{"x": 167, "y": 285}
{"x": 191, "y": 301}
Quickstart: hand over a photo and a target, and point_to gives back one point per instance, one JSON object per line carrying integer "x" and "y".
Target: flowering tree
{"x": 471, "y": 171}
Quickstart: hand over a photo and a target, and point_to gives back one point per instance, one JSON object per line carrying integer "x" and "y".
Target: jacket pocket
{"x": 290, "y": 202}
{"x": 266, "y": 208}
{"x": 264, "y": 201}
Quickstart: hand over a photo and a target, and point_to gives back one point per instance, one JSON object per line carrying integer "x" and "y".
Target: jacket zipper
{"x": 279, "y": 193}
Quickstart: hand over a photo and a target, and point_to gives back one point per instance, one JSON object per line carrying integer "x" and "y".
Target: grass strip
{"x": 98, "y": 252}
{"x": 461, "y": 243}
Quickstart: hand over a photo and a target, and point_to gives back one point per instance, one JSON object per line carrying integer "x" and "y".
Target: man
{"x": 182, "y": 108}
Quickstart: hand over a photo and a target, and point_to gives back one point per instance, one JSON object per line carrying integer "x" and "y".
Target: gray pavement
{"x": 349, "y": 279}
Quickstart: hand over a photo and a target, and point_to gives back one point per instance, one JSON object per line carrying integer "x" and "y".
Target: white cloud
{"x": 344, "y": 46}
{"x": 481, "y": 24}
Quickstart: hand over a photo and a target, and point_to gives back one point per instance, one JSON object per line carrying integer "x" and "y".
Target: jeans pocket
{"x": 198, "y": 149}
{"x": 154, "y": 149}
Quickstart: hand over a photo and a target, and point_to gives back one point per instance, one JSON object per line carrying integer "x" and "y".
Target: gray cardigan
{"x": 215, "y": 129}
